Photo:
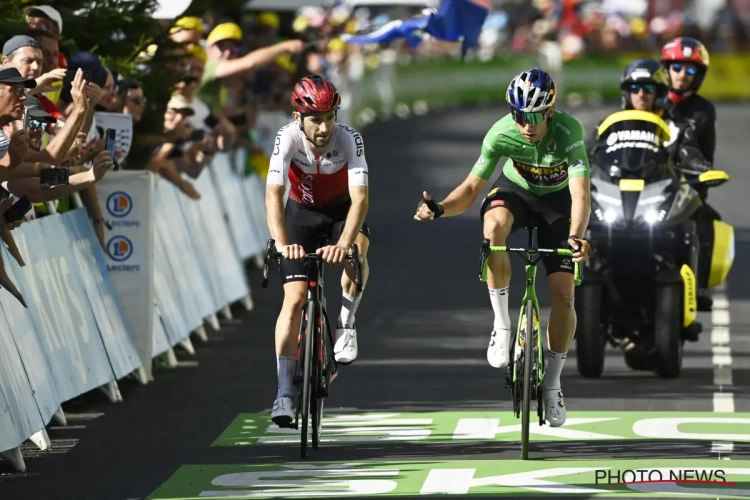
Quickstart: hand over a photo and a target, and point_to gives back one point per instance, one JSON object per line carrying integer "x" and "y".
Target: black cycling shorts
{"x": 551, "y": 213}
{"x": 312, "y": 230}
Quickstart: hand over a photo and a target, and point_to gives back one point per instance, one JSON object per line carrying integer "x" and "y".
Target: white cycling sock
{"x": 499, "y": 300}
{"x": 554, "y": 369}
{"x": 285, "y": 371}
{"x": 349, "y": 306}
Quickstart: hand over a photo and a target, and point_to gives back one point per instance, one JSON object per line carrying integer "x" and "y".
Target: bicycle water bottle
{"x": 535, "y": 327}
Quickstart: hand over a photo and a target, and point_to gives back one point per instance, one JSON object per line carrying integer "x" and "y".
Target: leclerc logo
{"x": 119, "y": 204}
{"x": 119, "y": 248}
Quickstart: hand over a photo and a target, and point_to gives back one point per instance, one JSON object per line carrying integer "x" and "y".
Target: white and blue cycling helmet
{"x": 530, "y": 95}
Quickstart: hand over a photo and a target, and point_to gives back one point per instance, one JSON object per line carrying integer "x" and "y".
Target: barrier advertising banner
{"x": 231, "y": 271}
{"x": 176, "y": 250}
{"x": 29, "y": 345}
{"x": 100, "y": 290}
{"x": 126, "y": 199}
{"x": 16, "y": 399}
{"x": 232, "y": 198}
{"x": 59, "y": 308}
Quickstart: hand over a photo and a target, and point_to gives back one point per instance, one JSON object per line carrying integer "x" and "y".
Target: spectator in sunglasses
{"x": 39, "y": 118}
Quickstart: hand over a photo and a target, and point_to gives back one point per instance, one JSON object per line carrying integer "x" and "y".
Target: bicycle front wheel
{"x": 528, "y": 383}
{"x": 308, "y": 376}
{"x": 319, "y": 382}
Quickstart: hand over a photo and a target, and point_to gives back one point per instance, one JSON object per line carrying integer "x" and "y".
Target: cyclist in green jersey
{"x": 546, "y": 179}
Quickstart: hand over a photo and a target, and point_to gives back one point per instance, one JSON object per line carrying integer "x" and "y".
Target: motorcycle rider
{"x": 645, "y": 86}
{"x": 687, "y": 61}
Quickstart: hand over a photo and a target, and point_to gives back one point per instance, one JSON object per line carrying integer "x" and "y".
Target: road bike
{"x": 315, "y": 367}
{"x": 529, "y": 362}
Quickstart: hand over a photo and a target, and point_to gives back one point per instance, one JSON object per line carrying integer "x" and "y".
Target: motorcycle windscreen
{"x": 632, "y": 149}
{"x": 632, "y": 155}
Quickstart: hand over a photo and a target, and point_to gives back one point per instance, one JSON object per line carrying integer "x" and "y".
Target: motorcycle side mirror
{"x": 712, "y": 178}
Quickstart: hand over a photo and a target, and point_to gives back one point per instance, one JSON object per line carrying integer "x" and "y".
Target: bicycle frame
{"x": 312, "y": 332}
{"x": 531, "y": 256}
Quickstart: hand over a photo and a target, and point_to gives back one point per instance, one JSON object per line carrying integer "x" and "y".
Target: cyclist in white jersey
{"x": 324, "y": 163}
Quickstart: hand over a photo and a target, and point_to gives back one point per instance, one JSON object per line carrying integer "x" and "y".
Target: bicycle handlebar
{"x": 530, "y": 255}
{"x": 352, "y": 258}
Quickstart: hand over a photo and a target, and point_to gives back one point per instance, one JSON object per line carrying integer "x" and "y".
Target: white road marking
{"x": 723, "y": 399}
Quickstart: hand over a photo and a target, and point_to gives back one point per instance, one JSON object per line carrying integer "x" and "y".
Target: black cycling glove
{"x": 436, "y": 208}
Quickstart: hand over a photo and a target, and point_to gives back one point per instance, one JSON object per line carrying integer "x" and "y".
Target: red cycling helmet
{"x": 315, "y": 94}
{"x": 690, "y": 51}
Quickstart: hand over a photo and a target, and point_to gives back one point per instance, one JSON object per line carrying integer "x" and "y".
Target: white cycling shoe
{"x": 283, "y": 412}
{"x": 498, "y": 352}
{"x": 345, "y": 351}
{"x": 554, "y": 407}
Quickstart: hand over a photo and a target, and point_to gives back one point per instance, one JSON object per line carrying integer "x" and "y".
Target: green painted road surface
{"x": 488, "y": 478}
{"x": 456, "y": 427}
{"x": 421, "y": 414}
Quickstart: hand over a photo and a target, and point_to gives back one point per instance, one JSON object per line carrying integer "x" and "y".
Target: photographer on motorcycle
{"x": 645, "y": 86}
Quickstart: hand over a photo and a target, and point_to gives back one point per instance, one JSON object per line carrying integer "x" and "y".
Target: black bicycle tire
{"x": 528, "y": 356}
{"x": 309, "y": 347}
{"x": 316, "y": 408}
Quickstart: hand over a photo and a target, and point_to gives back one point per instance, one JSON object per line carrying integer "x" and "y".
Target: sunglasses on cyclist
{"x": 689, "y": 68}
{"x": 649, "y": 88}
{"x": 534, "y": 118}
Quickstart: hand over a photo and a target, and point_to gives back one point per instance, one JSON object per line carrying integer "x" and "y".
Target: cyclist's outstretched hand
{"x": 293, "y": 252}
{"x": 333, "y": 254}
{"x": 423, "y": 210}
{"x": 581, "y": 248}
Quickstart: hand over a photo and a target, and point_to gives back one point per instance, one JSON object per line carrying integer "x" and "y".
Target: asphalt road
{"x": 433, "y": 402}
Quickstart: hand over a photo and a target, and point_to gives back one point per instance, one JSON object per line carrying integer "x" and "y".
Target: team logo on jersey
{"x": 332, "y": 154}
{"x": 552, "y": 147}
{"x": 481, "y": 161}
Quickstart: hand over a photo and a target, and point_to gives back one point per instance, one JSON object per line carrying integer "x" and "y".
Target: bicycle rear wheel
{"x": 528, "y": 383}
{"x": 308, "y": 376}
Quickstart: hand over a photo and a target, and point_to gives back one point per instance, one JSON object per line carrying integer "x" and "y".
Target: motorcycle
{"x": 639, "y": 294}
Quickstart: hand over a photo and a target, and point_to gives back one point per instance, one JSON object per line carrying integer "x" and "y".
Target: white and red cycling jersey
{"x": 323, "y": 181}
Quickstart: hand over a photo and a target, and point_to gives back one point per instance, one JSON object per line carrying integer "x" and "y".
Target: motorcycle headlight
{"x": 606, "y": 206}
{"x": 610, "y": 216}
{"x": 651, "y": 216}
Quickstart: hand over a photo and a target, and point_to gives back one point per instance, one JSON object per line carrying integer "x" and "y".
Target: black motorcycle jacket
{"x": 683, "y": 144}
{"x": 702, "y": 113}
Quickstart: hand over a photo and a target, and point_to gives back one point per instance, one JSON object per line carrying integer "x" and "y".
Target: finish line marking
{"x": 722, "y": 361}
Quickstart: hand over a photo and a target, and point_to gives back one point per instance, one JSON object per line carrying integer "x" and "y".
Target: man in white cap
{"x": 48, "y": 19}
{"x": 44, "y": 17}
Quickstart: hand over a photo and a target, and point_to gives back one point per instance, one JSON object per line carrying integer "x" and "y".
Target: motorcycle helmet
{"x": 645, "y": 70}
{"x": 690, "y": 51}
{"x": 531, "y": 94}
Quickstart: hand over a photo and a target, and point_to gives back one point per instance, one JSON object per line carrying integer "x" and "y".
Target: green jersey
{"x": 541, "y": 168}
